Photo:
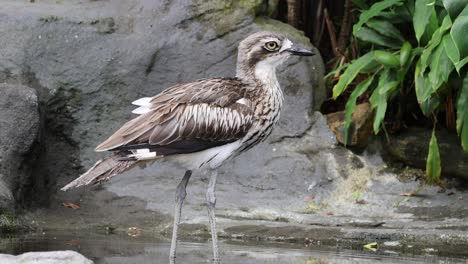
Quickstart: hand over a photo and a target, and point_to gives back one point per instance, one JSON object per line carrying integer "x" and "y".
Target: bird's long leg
{"x": 211, "y": 203}
{"x": 179, "y": 198}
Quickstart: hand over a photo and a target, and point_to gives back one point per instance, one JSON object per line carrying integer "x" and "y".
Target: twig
{"x": 293, "y": 18}
{"x": 345, "y": 25}
{"x": 304, "y": 17}
{"x": 342, "y": 61}
{"x": 344, "y": 54}
{"x": 331, "y": 33}
{"x": 354, "y": 49}
{"x": 265, "y": 7}
{"x": 450, "y": 113}
{"x": 318, "y": 24}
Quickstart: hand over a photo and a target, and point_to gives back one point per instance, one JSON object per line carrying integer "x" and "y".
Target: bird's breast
{"x": 267, "y": 113}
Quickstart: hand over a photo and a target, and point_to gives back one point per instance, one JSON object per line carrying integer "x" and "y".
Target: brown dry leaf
{"x": 360, "y": 201}
{"x": 134, "y": 231}
{"x": 71, "y": 205}
{"x": 407, "y": 194}
{"x": 73, "y": 242}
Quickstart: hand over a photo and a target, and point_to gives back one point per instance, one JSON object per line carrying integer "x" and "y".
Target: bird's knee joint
{"x": 210, "y": 199}
{"x": 211, "y": 204}
{"x": 181, "y": 193}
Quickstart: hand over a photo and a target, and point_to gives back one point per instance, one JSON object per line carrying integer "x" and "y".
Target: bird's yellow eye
{"x": 271, "y": 46}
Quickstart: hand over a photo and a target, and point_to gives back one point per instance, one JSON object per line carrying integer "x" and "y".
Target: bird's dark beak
{"x": 299, "y": 51}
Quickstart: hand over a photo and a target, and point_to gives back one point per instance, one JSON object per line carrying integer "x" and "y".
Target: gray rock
{"x": 90, "y": 60}
{"x": 412, "y": 146}
{"x": 49, "y": 257}
{"x": 19, "y": 127}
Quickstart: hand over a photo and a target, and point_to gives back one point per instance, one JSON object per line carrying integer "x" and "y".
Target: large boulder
{"x": 19, "y": 128}
{"x": 411, "y": 147}
{"x": 48, "y": 257}
{"x": 96, "y": 57}
{"x": 90, "y": 59}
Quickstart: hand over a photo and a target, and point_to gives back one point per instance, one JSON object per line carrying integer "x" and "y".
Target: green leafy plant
{"x": 428, "y": 53}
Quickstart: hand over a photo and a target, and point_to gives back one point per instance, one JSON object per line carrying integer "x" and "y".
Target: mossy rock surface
{"x": 8, "y": 222}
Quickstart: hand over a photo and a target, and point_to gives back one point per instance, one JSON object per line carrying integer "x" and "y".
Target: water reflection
{"x": 118, "y": 249}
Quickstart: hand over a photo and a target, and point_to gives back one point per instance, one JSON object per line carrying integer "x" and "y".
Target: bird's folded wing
{"x": 187, "y": 118}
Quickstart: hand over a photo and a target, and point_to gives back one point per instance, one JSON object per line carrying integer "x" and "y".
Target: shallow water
{"x": 127, "y": 249}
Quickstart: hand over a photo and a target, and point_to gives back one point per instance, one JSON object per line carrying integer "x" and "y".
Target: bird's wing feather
{"x": 187, "y": 118}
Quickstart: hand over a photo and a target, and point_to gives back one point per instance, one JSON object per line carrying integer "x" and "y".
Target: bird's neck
{"x": 264, "y": 74}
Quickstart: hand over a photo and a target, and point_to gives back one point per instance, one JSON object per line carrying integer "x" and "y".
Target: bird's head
{"x": 265, "y": 51}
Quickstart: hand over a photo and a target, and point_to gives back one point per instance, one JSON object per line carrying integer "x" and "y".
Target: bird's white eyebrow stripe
{"x": 286, "y": 45}
{"x": 269, "y": 39}
{"x": 242, "y": 101}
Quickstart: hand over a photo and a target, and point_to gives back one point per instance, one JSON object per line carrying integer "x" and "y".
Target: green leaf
{"x": 431, "y": 27}
{"x": 405, "y": 53}
{"x": 338, "y": 69}
{"x": 368, "y": 35}
{"x": 361, "y": 4}
{"x": 422, "y": 14}
{"x": 401, "y": 73}
{"x": 424, "y": 90}
{"x": 429, "y": 106}
{"x": 372, "y": 246}
{"x": 409, "y": 4}
{"x": 351, "y": 72}
{"x": 374, "y": 11}
{"x": 462, "y": 114}
{"x": 446, "y": 24}
{"x": 459, "y": 33}
{"x": 372, "y": 67}
{"x": 461, "y": 63}
{"x": 440, "y": 68}
{"x": 387, "y": 87}
{"x": 385, "y": 28}
{"x": 386, "y": 58}
{"x": 434, "y": 42}
{"x": 379, "y": 99}
{"x": 433, "y": 168}
{"x": 454, "y": 7}
{"x": 396, "y": 18}
{"x": 451, "y": 49}
{"x": 351, "y": 104}
{"x": 421, "y": 84}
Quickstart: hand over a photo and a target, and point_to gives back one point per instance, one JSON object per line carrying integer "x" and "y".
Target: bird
{"x": 201, "y": 124}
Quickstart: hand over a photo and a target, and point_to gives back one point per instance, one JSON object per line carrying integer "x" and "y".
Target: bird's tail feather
{"x": 102, "y": 171}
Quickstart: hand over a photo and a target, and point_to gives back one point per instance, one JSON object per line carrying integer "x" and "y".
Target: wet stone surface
{"x": 350, "y": 200}
{"x": 126, "y": 249}
{"x": 88, "y": 60}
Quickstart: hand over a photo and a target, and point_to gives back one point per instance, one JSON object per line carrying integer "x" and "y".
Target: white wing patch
{"x": 142, "y": 154}
{"x": 141, "y": 110}
{"x": 242, "y": 101}
{"x": 144, "y": 105}
{"x": 145, "y": 101}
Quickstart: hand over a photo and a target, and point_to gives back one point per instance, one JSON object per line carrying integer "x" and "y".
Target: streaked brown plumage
{"x": 178, "y": 121}
{"x": 202, "y": 123}
{"x": 179, "y": 114}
